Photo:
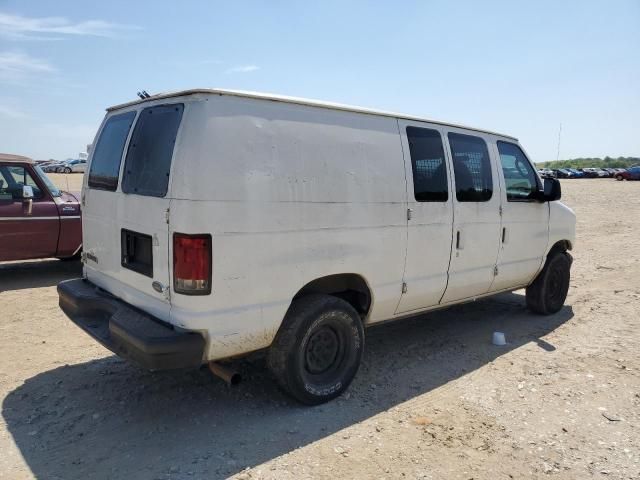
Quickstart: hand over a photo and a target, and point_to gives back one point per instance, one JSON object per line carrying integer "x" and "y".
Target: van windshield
{"x": 148, "y": 162}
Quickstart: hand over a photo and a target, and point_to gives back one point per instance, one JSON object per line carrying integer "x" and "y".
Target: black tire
{"x": 547, "y": 293}
{"x": 67, "y": 170}
{"x": 318, "y": 348}
{"x": 619, "y": 178}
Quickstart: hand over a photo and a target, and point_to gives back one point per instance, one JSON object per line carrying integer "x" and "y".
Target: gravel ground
{"x": 433, "y": 399}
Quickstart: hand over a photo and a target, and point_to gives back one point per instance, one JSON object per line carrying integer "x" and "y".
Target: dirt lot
{"x": 433, "y": 399}
{"x": 72, "y": 182}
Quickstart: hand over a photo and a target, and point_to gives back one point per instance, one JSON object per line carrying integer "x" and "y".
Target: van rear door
{"x": 126, "y": 205}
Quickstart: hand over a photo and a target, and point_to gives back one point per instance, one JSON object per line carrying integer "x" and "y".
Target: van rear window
{"x": 148, "y": 162}
{"x": 105, "y": 165}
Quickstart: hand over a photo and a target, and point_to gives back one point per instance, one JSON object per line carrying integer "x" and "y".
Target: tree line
{"x": 606, "y": 162}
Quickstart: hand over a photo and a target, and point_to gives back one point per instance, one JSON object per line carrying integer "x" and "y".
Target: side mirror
{"x": 552, "y": 189}
{"x": 27, "y": 192}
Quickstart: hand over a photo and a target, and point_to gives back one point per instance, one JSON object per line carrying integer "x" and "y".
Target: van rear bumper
{"x": 127, "y": 331}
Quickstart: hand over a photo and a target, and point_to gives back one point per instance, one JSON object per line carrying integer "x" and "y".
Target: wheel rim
{"x": 323, "y": 350}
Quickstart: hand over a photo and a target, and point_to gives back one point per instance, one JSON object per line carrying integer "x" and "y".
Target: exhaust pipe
{"x": 229, "y": 375}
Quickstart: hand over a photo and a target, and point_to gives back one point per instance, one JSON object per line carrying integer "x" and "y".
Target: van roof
{"x": 299, "y": 101}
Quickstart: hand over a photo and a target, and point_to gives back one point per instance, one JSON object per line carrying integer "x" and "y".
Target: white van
{"x": 218, "y": 223}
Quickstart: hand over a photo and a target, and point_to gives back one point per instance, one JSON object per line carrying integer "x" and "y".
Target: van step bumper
{"x": 128, "y": 332}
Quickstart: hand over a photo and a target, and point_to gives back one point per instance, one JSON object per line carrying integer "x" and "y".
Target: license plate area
{"x": 137, "y": 252}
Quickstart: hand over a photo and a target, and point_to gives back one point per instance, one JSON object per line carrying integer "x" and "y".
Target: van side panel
{"x": 290, "y": 193}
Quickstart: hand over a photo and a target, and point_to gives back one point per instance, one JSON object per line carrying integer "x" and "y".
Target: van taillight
{"x": 192, "y": 264}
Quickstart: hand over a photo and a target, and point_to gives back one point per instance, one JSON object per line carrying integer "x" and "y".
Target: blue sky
{"x": 515, "y": 67}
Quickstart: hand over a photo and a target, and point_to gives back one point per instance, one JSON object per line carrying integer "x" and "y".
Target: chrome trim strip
{"x": 14, "y": 219}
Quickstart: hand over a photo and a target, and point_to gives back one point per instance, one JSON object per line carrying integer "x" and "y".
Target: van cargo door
{"x": 126, "y": 212}
{"x": 430, "y": 216}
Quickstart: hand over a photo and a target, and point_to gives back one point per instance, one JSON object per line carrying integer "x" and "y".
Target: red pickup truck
{"x": 37, "y": 220}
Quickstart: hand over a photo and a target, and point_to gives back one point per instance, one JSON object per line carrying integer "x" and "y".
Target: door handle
{"x": 504, "y": 234}
{"x": 459, "y": 244}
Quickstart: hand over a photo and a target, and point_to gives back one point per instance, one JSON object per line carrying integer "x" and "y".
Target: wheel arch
{"x": 560, "y": 246}
{"x": 350, "y": 287}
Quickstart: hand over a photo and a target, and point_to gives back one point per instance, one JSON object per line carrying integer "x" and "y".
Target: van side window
{"x": 148, "y": 162}
{"x": 428, "y": 164}
{"x": 520, "y": 179}
{"x": 471, "y": 167}
{"x": 105, "y": 166}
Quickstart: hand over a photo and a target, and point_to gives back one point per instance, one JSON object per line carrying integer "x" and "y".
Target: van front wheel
{"x": 547, "y": 293}
{"x": 318, "y": 348}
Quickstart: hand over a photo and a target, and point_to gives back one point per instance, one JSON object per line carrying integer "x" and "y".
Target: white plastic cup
{"x": 498, "y": 339}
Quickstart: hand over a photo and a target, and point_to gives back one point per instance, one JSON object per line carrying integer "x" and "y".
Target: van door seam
{"x": 406, "y": 202}
{"x": 449, "y": 159}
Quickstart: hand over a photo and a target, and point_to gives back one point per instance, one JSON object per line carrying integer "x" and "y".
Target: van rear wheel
{"x": 318, "y": 348}
{"x": 547, "y": 293}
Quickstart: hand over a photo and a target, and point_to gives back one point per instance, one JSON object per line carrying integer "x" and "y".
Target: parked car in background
{"x": 51, "y": 167}
{"x": 37, "y": 220}
{"x": 563, "y": 173}
{"x": 590, "y": 172}
{"x": 610, "y": 171}
{"x": 44, "y": 163}
{"x": 632, "y": 173}
{"x": 546, "y": 173}
{"x": 72, "y": 166}
{"x": 576, "y": 173}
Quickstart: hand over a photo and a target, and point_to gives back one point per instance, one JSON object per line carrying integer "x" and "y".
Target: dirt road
{"x": 433, "y": 399}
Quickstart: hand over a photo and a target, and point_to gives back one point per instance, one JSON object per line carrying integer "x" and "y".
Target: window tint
{"x": 12, "y": 179}
{"x": 519, "y": 177}
{"x": 471, "y": 167}
{"x": 105, "y": 165}
{"x": 428, "y": 164}
{"x": 146, "y": 169}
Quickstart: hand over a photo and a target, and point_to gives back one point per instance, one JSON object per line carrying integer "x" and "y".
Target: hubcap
{"x": 322, "y": 350}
